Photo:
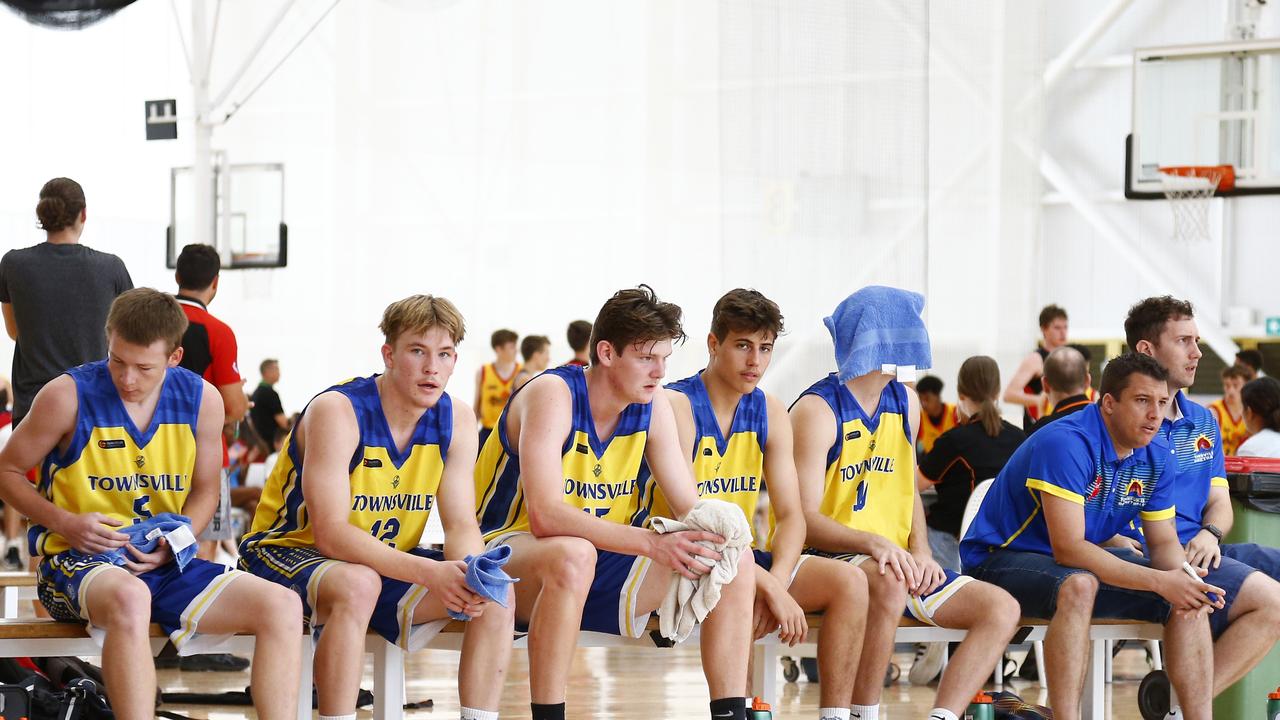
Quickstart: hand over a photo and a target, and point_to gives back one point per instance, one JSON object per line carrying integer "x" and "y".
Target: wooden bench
{"x": 44, "y": 638}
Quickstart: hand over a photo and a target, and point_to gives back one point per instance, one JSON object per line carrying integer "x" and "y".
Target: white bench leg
{"x": 1111, "y": 647}
{"x": 388, "y": 682}
{"x": 1093, "y": 700}
{"x": 305, "y": 668}
{"x": 1038, "y": 646}
{"x": 764, "y": 671}
{"x": 10, "y": 602}
{"x": 1157, "y": 659}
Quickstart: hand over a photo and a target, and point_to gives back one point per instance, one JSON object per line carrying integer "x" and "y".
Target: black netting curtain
{"x": 65, "y": 14}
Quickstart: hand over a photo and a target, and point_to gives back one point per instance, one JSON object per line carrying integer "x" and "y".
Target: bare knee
{"x": 886, "y": 593}
{"x": 848, "y": 585}
{"x": 124, "y": 606}
{"x": 1076, "y": 594}
{"x": 1005, "y": 612}
{"x": 353, "y": 592}
{"x": 569, "y": 565}
{"x": 280, "y": 610}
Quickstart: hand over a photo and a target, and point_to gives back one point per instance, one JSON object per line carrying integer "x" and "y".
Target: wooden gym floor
{"x": 633, "y": 684}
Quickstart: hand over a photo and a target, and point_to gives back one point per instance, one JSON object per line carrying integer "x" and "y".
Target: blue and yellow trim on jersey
{"x": 870, "y": 478}
{"x": 599, "y": 477}
{"x": 729, "y": 469}
{"x": 112, "y": 467}
{"x": 392, "y": 492}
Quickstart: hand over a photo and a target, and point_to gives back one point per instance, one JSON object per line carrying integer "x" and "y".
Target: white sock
{"x": 942, "y": 714}
{"x": 864, "y": 712}
{"x": 833, "y": 713}
{"x": 473, "y": 714}
{"x": 352, "y": 716}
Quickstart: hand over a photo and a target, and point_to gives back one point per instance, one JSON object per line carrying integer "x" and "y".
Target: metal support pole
{"x": 202, "y": 163}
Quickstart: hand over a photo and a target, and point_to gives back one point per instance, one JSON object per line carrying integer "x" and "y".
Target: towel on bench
{"x": 688, "y": 602}
{"x": 486, "y": 577}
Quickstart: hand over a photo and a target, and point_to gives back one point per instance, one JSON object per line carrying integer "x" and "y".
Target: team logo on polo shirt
{"x": 1134, "y": 488}
{"x": 1204, "y": 448}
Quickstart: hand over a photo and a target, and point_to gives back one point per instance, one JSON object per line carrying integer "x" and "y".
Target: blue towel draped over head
{"x": 879, "y": 325}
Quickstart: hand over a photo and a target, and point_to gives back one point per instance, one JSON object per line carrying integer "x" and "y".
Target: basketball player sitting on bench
{"x": 343, "y": 512}
{"x": 737, "y": 435}
{"x": 119, "y": 441}
{"x": 557, "y": 482}
{"x": 855, "y": 456}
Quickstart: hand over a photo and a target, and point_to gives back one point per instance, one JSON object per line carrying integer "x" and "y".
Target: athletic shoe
{"x": 928, "y": 663}
{"x": 1008, "y": 705}
{"x": 217, "y": 662}
{"x": 12, "y": 557}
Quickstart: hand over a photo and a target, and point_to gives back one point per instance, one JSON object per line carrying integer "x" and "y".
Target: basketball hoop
{"x": 1189, "y": 189}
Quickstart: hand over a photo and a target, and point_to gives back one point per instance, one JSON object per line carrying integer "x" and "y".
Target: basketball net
{"x": 1189, "y": 190}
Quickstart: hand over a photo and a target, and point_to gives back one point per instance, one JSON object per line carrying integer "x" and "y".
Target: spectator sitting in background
{"x": 579, "y": 336}
{"x": 1066, "y": 382}
{"x": 1229, "y": 409}
{"x": 936, "y": 416}
{"x": 1251, "y": 359}
{"x": 975, "y": 450}
{"x": 536, "y": 351}
{"x": 1261, "y": 399}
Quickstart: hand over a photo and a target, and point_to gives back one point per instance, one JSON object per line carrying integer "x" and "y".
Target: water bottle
{"x": 759, "y": 710}
{"x": 980, "y": 708}
{"x": 1273, "y": 705}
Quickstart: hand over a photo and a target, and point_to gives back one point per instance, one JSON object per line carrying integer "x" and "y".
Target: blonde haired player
{"x": 343, "y": 512}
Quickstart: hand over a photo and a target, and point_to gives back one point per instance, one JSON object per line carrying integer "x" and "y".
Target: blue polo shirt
{"x": 1197, "y": 448}
{"x": 1074, "y": 459}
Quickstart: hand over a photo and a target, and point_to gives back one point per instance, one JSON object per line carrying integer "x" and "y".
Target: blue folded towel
{"x": 486, "y": 577}
{"x": 876, "y": 326}
{"x": 145, "y": 535}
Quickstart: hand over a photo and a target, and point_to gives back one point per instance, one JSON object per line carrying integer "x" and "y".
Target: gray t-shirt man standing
{"x": 56, "y": 295}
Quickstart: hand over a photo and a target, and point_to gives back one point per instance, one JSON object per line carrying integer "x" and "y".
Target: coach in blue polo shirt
{"x": 1078, "y": 482}
{"x": 1165, "y": 328}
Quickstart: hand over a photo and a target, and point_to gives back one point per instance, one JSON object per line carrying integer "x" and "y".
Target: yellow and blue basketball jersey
{"x": 114, "y": 468}
{"x": 729, "y": 469}
{"x": 601, "y": 477}
{"x": 392, "y": 492}
{"x": 494, "y": 393}
{"x": 870, "y": 481}
{"x": 931, "y": 431}
{"x": 1233, "y": 429}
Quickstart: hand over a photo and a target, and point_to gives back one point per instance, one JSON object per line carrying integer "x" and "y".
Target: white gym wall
{"x": 526, "y": 160}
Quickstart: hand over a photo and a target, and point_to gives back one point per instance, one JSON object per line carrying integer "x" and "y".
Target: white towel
{"x": 689, "y": 601}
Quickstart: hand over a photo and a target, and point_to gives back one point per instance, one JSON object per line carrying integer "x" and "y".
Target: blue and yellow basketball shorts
{"x": 301, "y": 568}
{"x": 615, "y": 590}
{"x": 920, "y": 608}
{"x": 764, "y": 559}
{"x": 179, "y": 599}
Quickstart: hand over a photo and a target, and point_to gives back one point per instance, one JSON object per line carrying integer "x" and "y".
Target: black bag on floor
{"x": 64, "y": 688}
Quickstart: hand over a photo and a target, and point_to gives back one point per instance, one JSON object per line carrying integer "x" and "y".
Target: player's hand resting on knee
{"x": 685, "y": 551}
{"x": 775, "y": 609}
{"x": 930, "y": 574}
{"x": 89, "y": 533}
{"x": 146, "y": 562}
{"x": 890, "y": 557}
{"x": 446, "y": 580}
